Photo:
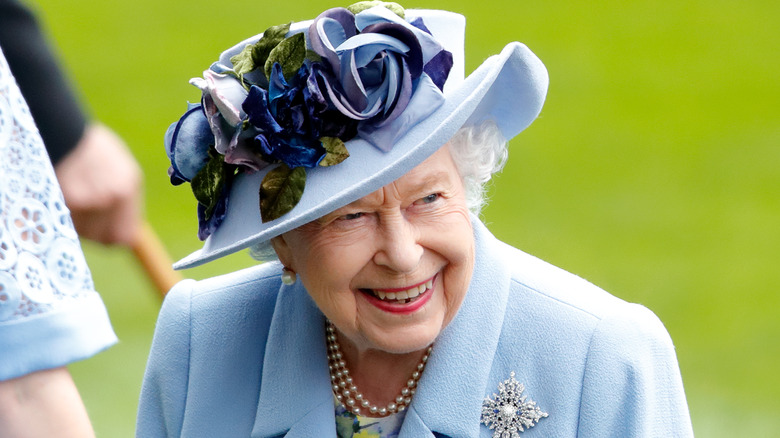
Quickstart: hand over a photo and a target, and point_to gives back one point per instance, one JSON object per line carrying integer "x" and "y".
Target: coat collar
{"x": 295, "y": 353}
{"x": 449, "y": 398}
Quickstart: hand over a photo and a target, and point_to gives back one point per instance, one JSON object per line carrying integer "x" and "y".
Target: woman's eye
{"x": 428, "y": 199}
{"x": 352, "y": 216}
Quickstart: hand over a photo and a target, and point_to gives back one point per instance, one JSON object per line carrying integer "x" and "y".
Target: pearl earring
{"x": 288, "y": 276}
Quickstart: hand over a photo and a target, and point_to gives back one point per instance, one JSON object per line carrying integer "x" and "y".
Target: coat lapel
{"x": 452, "y": 388}
{"x": 295, "y": 396}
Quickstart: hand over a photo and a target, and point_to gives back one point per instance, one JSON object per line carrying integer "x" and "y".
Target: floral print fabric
{"x": 349, "y": 425}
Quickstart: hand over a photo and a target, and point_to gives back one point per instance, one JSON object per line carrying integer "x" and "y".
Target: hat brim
{"x": 508, "y": 88}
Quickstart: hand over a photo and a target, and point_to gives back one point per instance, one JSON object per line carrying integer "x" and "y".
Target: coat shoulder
{"x": 253, "y": 288}
{"x": 599, "y": 365}
{"x": 558, "y": 287}
{"x": 207, "y": 355}
{"x": 549, "y": 296}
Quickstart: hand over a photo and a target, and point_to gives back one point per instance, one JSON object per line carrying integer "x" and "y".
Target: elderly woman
{"x": 392, "y": 310}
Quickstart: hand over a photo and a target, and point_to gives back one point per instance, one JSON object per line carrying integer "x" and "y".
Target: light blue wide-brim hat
{"x": 508, "y": 88}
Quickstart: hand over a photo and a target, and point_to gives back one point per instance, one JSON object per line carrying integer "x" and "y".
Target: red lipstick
{"x": 398, "y": 307}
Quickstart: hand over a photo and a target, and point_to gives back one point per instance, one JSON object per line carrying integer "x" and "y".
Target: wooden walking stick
{"x": 155, "y": 259}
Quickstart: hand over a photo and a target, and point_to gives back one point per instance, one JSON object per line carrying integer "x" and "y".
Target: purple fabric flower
{"x": 223, "y": 94}
{"x": 372, "y": 71}
{"x": 226, "y": 93}
{"x": 291, "y": 119}
{"x": 244, "y": 153}
{"x": 206, "y": 227}
{"x": 375, "y": 61}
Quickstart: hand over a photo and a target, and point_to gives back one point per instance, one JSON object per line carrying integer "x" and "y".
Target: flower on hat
{"x": 187, "y": 144}
{"x": 295, "y": 98}
{"x": 376, "y": 59}
{"x": 291, "y": 120}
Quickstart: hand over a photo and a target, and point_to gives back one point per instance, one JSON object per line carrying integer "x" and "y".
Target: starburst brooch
{"x": 508, "y": 412}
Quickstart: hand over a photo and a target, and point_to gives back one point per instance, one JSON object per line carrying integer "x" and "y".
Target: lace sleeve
{"x": 50, "y": 313}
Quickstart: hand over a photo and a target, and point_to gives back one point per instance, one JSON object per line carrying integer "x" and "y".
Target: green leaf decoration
{"x": 313, "y": 56}
{"x": 289, "y": 53}
{"x": 362, "y": 6}
{"x": 280, "y": 191}
{"x": 336, "y": 151}
{"x": 255, "y": 55}
{"x": 208, "y": 183}
{"x": 243, "y": 62}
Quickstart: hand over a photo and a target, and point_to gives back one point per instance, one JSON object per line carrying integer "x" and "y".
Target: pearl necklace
{"x": 347, "y": 393}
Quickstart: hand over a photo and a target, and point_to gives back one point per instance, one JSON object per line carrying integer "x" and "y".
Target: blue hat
{"x": 324, "y": 112}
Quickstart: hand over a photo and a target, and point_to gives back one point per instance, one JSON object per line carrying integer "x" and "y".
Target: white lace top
{"x": 50, "y": 314}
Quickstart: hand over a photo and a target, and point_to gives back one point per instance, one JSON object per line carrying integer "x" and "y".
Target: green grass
{"x": 653, "y": 171}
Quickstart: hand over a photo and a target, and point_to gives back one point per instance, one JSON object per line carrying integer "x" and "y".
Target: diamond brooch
{"x": 508, "y": 413}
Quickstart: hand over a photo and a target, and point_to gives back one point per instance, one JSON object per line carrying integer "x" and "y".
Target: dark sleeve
{"x": 52, "y": 101}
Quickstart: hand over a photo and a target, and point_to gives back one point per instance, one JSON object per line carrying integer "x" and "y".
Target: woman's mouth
{"x": 403, "y": 296}
{"x": 401, "y": 300}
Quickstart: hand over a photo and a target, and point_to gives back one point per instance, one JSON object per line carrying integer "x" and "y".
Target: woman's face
{"x": 391, "y": 269}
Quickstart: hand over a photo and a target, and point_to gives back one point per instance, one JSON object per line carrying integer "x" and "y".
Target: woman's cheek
{"x": 453, "y": 231}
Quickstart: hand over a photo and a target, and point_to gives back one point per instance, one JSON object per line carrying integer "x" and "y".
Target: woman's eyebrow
{"x": 434, "y": 180}
{"x": 356, "y": 205}
{"x": 424, "y": 185}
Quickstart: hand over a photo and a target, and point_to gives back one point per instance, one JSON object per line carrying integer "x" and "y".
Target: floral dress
{"x": 349, "y": 425}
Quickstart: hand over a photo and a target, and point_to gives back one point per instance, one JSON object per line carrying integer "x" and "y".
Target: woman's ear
{"x": 282, "y": 250}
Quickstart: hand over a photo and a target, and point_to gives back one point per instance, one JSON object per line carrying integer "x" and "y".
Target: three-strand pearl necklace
{"x": 347, "y": 393}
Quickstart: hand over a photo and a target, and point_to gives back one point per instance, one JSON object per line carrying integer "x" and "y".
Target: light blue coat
{"x": 242, "y": 355}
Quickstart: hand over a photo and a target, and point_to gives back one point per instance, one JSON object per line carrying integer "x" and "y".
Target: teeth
{"x": 406, "y": 294}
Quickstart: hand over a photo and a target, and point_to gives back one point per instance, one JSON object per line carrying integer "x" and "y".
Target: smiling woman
{"x": 361, "y": 263}
{"x": 354, "y": 147}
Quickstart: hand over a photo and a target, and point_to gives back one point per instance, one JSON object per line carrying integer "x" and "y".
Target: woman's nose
{"x": 398, "y": 248}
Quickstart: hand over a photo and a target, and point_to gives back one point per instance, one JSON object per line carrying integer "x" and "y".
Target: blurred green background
{"x": 653, "y": 171}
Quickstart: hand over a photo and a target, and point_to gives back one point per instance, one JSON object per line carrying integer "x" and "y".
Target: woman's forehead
{"x": 437, "y": 172}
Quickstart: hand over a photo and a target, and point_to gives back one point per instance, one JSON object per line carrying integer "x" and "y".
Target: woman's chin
{"x": 405, "y": 347}
{"x": 402, "y": 340}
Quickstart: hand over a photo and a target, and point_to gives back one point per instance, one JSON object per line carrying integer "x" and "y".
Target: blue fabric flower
{"x": 207, "y": 226}
{"x": 376, "y": 61}
{"x": 291, "y": 119}
{"x": 187, "y": 143}
{"x": 371, "y": 71}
